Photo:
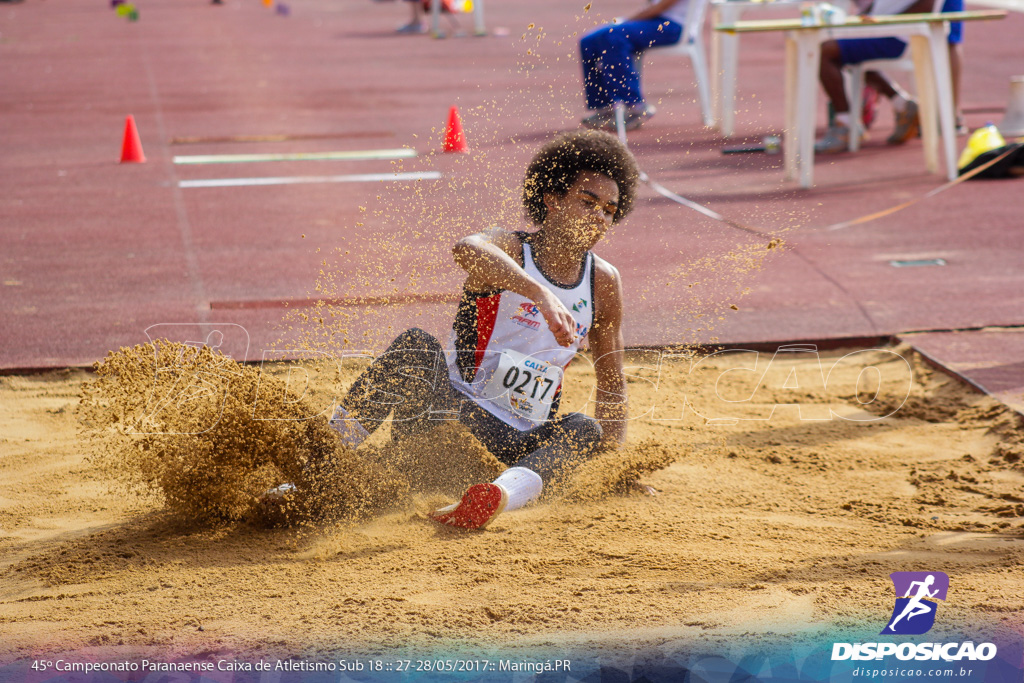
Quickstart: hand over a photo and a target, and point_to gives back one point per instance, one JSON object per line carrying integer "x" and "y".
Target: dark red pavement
{"x": 92, "y": 252}
{"x": 992, "y": 360}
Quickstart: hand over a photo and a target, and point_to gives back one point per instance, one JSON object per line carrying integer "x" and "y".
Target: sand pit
{"x": 768, "y": 528}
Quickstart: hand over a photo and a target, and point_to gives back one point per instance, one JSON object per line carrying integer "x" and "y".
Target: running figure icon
{"x": 920, "y": 590}
{"x": 915, "y": 607}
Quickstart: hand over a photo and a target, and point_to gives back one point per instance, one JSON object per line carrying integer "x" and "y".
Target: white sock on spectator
{"x": 522, "y": 486}
{"x": 348, "y": 428}
{"x": 843, "y": 119}
{"x": 899, "y": 103}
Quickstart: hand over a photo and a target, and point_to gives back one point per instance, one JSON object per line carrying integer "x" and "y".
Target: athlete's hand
{"x": 558, "y": 318}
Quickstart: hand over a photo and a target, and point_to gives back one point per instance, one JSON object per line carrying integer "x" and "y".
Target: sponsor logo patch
{"x": 527, "y": 315}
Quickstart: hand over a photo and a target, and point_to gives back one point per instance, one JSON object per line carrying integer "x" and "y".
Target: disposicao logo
{"x": 914, "y": 613}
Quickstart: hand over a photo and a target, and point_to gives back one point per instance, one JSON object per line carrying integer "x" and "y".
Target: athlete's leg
{"x": 569, "y": 442}
{"x": 546, "y": 452}
{"x": 548, "y": 449}
{"x": 409, "y": 379}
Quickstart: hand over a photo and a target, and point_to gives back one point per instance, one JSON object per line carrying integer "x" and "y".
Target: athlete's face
{"x": 587, "y": 208}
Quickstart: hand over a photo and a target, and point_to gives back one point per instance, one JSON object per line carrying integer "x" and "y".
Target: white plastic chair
{"x": 691, "y": 45}
{"x": 856, "y": 80}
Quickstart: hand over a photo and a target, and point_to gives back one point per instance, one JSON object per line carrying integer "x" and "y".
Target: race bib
{"x": 524, "y": 384}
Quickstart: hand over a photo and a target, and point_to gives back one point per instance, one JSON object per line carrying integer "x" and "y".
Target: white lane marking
{"x": 297, "y": 180}
{"x": 403, "y": 153}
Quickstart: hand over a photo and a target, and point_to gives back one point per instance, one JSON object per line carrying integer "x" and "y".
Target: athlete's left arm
{"x": 607, "y": 347}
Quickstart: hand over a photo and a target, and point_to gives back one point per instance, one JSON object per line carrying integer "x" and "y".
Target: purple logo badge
{"x": 916, "y": 593}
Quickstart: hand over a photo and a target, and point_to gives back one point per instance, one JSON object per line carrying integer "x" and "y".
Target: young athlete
{"x": 528, "y": 302}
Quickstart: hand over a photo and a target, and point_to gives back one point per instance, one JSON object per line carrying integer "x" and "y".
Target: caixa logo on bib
{"x": 914, "y": 613}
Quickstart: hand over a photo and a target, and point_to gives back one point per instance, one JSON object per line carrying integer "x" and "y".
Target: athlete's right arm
{"x": 491, "y": 260}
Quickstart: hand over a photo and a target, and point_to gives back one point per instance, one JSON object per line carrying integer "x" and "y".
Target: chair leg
{"x": 726, "y": 102}
{"x": 791, "y": 137}
{"x": 715, "y": 65}
{"x": 700, "y": 70}
{"x": 809, "y": 51}
{"x": 856, "y": 91}
{"x": 926, "y": 101}
{"x": 620, "y": 121}
{"x": 479, "y": 27}
{"x": 944, "y": 100}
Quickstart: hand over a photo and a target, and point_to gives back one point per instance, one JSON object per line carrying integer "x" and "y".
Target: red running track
{"x": 93, "y": 252}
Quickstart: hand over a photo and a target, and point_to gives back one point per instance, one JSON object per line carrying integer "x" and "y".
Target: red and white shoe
{"x": 478, "y": 507}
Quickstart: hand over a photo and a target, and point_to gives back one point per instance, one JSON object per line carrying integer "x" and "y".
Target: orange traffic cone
{"x": 131, "y": 148}
{"x": 454, "y": 138}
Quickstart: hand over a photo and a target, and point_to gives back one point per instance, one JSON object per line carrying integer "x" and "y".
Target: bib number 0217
{"x": 512, "y": 382}
{"x": 524, "y": 385}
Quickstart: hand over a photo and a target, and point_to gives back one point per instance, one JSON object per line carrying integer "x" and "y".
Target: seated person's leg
{"x": 592, "y": 48}
{"x": 955, "y": 40}
{"x": 610, "y": 72}
{"x": 415, "y": 24}
{"x": 830, "y": 73}
{"x": 640, "y": 36}
{"x": 838, "y": 53}
{"x": 903, "y": 105}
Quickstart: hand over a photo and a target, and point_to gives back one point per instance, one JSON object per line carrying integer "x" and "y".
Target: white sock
{"x": 899, "y": 104}
{"x": 843, "y": 119}
{"x": 352, "y": 433}
{"x": 522, "y": 485}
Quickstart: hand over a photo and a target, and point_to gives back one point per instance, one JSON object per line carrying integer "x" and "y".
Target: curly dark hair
{"x": 559, "y": 163}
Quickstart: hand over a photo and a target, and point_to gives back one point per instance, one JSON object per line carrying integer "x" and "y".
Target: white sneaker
{"x": 835, "y": 140}
{"x": 279, "y": 492}
{"x": 636, "y": 114}
{"x": 602, "y": 119}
